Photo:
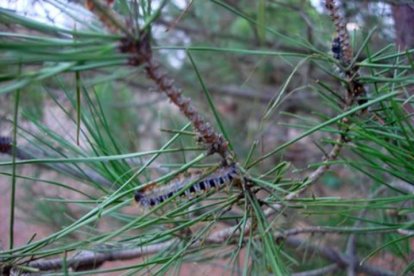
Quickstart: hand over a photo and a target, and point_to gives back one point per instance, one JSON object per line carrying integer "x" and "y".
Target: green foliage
{"x": 77, "y": 80}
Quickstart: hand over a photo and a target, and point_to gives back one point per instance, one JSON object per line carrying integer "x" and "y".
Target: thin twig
{"x": 316, "y": 174}
{"x": 404, "y": 186}
{"x": 352, "y": 253}
{"x": 89, "y": 259}
{"x": 320, "y": 271}
{"x": 351, "y": 243}
{"x": 327, "y": 230}
{"x": 354, "y": 90}
{"x": 337, "y": 257}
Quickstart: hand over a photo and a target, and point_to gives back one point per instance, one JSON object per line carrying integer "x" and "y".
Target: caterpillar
{"x": 154, "y": 194}
{"x": 343, "y": 35}
{"x": 356, "y": 87}
{"x": 5, "y": 144}
{"x": 336, "y": 48}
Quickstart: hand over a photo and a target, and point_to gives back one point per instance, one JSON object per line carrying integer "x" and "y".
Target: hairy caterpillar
{"x": 343, "y": 36}
{"x": 154, "y": 194}
{"x": 337, "y": 48}
{"x": 5, "y": 144}
{"x": 356, "y": 87}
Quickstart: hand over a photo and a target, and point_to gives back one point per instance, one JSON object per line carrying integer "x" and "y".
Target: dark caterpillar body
{"x": 337, "y": 49}
{"x": 358, "y": 90}
{"x": 154, "y": 195}
{"x": 5, "y": 144}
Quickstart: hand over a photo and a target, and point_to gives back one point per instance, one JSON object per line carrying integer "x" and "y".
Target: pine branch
{"x": 341, "y": 30}
{"x": 208, "y": 135}
{"x": 354, "y": 91}
{"x": 88, "y": 259}
{"x": 335, "y": 256}
{"x": 141, "y": 54}
{"x": 343, "y": 52}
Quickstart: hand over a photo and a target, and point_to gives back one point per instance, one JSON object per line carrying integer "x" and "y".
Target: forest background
{"x": 312, "y": 100}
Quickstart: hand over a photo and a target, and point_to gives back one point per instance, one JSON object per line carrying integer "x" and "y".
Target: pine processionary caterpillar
{"x": 154, "y": 194}
{"x": 337, "y": 49}
{"x": 5, "y": 144}
{"x": 356, "y": 87}
{"x": 343, "y": 36}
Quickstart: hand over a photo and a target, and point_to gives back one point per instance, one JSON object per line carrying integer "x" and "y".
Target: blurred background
{"x": 269, "y": 71}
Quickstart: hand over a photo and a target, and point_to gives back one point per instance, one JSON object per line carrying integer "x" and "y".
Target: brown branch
{"x": 141, "y": 54}
{"x": 354, "y": 90}
{"x": 335, "y": 256}
{"x": 208, "y": 135}
{"x": 225, "y": 234}
{"x": 90, "y": 260}
{"x": 316, "y": 174}
{"x": 327, "y": 230}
